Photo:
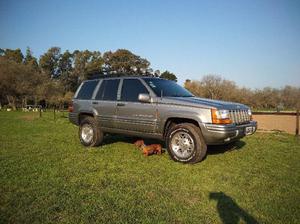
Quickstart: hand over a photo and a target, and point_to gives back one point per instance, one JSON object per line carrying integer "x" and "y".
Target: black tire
{"x": 96, "y": 136}
{"x": 197, "y": 153}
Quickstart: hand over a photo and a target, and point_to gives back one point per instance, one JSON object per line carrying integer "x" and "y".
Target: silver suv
{"x": 151, "y": 107}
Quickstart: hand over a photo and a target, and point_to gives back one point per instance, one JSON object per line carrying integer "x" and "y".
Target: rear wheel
{"x": 90, "y": 133}
{"x": 185, "y": 143}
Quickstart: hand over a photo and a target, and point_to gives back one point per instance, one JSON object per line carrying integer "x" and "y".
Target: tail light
{"x": 70, "y": 107}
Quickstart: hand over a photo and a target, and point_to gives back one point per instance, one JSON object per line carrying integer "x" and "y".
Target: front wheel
{"x": 90, "y": 133}
{"x": 185, "y": 143}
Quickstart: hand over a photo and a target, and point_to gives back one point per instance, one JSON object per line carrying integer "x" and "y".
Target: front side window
{"x": 108, "y": 90}
{"x": 167, "y": 88}
{"x": 87, "y": 89}
{"x": 131, "y": 89}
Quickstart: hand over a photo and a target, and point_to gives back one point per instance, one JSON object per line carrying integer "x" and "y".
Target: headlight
{"x": 250, "y": 114}
{"x": 220, "y": 116}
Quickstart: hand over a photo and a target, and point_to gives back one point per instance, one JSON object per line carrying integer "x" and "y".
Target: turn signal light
{"x": 220, "y": 116}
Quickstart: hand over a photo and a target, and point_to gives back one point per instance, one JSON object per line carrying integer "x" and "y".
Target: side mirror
{"x": 145, "y": 98}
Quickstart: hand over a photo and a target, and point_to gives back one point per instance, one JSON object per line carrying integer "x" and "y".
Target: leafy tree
{"x": 13, "y": 55}
{"x": 95, "y": 63}
{"x": 168, "y": 75}
{"x": 87, "y": 63}
{"x": 66, "y": 71}
{"x": 124, "y": 62}
{"x": 18, "y": 82}
{"x": 30, "y": 60}
{"x": 52, "y": 91}
{"x": 49, "y": 62}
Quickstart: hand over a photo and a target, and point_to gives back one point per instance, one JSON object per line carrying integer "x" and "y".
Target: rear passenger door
{"x": 131, "y": 114}
{"x": 105, "y": 102}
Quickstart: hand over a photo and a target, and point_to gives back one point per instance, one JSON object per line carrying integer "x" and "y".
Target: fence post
{"x": 297, "y": 123}
{"x": 54, "y": 115}
{"x": 40, "y": 110}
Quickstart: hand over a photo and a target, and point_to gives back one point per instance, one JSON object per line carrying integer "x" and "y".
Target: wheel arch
{"x": 82, "y": 115}
{"x": 170, "y": 121}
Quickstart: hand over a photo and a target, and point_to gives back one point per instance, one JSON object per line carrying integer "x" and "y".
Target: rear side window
{"x": 87, "y": 89}
{"x": 131, "y": 89}
{"x": 108, "y": 90}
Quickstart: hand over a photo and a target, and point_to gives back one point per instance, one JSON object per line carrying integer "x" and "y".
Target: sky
{"x": 255, "y": 43}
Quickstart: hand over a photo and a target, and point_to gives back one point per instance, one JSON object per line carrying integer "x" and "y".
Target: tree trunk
{"x": 35, "y": 101}
{"x": 12, "y": 102}
{"x": 24, "y": 102}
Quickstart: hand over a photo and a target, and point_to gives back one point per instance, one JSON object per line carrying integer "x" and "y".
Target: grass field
{"x": 46, "y": 176}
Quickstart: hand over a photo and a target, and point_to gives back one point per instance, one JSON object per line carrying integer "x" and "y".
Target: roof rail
{"x": 101, "y": 76}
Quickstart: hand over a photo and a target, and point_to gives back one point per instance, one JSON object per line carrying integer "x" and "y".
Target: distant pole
{"x": 297, "y": 123}
{"x": 54, "y": 115}
{"x": 40, "y": 110}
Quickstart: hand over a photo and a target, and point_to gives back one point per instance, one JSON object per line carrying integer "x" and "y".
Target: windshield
{"x": 167, "y": 88}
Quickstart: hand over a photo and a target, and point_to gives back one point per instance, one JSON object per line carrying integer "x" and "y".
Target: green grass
{"x": 46, "y": 176}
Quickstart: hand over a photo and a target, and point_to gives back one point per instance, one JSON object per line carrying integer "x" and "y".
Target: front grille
{"x": 239, "y": 116}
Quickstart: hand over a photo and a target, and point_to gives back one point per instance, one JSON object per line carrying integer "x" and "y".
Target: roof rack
{"x": 101, "y": 76}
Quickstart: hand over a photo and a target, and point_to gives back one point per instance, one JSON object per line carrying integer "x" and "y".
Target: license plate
{"x": 249, "y": 130}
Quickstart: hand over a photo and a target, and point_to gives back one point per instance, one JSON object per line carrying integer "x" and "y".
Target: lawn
{"x": 46, "y": 176}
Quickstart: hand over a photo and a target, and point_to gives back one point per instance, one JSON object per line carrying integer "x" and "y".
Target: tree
{"x": 87, "y": 63}
{"x": 168, "y": 75}
{"x": 194, "y": 87}
{"x": 124, "y": 62}
{"x": 211, "y": 85}
{"x": 291, "y": 97}
{"x": 215, "y": 87}
{"x": 66, "y": 71}
{"x": 59, "y": 74}
{"x": 30, "y": 60}
{"x": 13, "y": 55}
{"x": 94, "y": 64}
{"x": 49, "y": 62}
{"x": 18, "y": 82}
{"x": 52, "y": 91}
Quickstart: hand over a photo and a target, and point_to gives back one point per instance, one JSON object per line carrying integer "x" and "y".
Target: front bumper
{"x": 220, "y": 134}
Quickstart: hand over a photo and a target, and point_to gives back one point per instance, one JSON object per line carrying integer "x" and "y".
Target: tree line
{"x": 216, "y": 87}
{"x": 54, "y": 77}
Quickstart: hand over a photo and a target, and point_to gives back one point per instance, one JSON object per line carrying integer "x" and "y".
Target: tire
{"x": 185, "y": 143}
{"x": 90, "y": 133}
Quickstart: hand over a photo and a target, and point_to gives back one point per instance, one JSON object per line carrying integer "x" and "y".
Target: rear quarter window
{"x": 86, "y": 90}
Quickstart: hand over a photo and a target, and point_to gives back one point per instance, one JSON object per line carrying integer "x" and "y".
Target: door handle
{"x": 121, "y": 104}
{"x": 94, "y": 102}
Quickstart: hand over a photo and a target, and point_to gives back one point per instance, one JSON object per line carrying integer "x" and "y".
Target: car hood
{"x": 203, "y": 102}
